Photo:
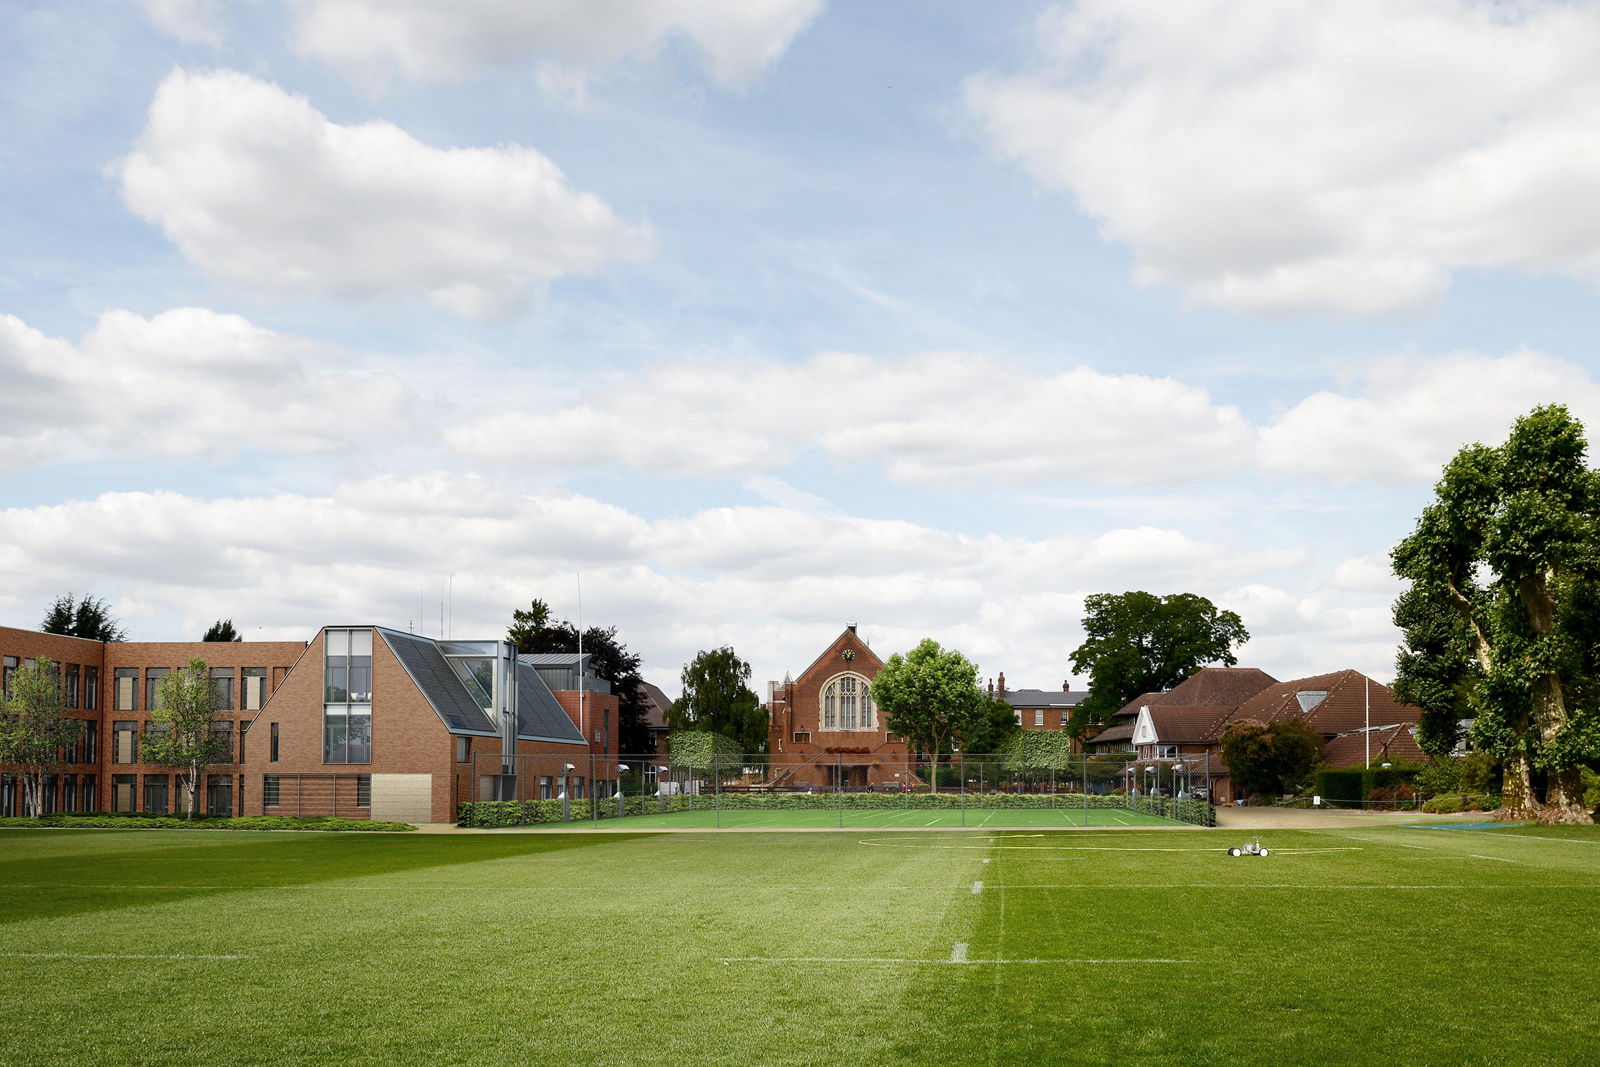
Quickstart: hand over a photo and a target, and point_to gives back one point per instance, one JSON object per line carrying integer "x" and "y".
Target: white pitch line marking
{"x": 111, "y": 956}
{"x": 977, "y": 887}
{"x": 986, "y": 861}
{"x": 936, "y": 963}
{"x": 959, "y": 953}
{"x": 1497, "y": 859}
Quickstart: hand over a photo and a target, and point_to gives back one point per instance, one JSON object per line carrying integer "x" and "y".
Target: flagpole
{"x": 1367, "y": 733}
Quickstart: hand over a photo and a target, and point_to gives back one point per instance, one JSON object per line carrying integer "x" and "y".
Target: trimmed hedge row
{"x": 140, "y": 821}
{"x": 521, "y": 813}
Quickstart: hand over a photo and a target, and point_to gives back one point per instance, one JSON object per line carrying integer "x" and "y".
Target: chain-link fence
{"x": 844, "y": 789}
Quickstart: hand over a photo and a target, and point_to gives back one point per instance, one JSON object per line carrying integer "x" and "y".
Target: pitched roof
{"x": 1342, "y": 709}
{"x": 439, "y": 686}
{"x": 1111, "y": 735}
{"x": 656, "y": 704}
{"x": 1350, "y": 750}
{"x": 1043, "y": 698}
{"x": 1187, "y": 725}
{"x": 540, "y": 717}
{"x": 1207, "y": 687}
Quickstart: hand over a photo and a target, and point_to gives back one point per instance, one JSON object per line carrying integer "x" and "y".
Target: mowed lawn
{"x": 914, "y": 818}
{"x": 1372, "y": 946}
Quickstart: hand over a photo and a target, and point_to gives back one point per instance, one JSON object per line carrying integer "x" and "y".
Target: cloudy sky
{"x": 768, "y": 315}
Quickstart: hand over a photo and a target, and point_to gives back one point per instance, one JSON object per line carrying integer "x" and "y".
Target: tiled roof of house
{"x": 1122, "y": 733}
{"x": 1130, "y": 710}
{"x": 1180, "y": 725}
{"x": 1207, "y": 687}
{"x": 1341, "y": 710}
{"x": 1350, "y": 750}
{"x": 1044, "y": 698}
{"x": 656, "y": 703}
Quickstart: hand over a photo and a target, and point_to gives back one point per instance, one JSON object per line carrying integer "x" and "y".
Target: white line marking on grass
{"x": 1497, "y": 859}
{"x": 959, "y": 953}
{"x": 112, "y": 956}
{"x": 986, "y": 859}
{"x": 936, "y": 963}
{"x": 977, "y": 887}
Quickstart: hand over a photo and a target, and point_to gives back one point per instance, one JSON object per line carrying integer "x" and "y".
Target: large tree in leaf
{"x": 1269, "y": 758}
{"x": 717, "y": 698}
{"x": 88, "y": 618}
{"x": 35, "y": 731}
{"x": 1139, "y": 643}
{"x": 930, "y": 696}
{"x": 1511, "y": 546}
{"x": 532, "y": 630}
{"x": 182, "y": 731}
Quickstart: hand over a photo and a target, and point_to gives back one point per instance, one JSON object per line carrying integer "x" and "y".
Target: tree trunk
{"x": 1564, "y": 797}
{"x": 1563, "y": 801}
{"x": 1517, "y": 802}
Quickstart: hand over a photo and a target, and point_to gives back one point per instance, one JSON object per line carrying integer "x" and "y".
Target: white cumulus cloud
{"x": 1303, "y": 155}
{"x": 737, "y": 39}
{"x": 937, "y": 419}
{"x": 188, "y": 382}
{"x": 256, "y": 186}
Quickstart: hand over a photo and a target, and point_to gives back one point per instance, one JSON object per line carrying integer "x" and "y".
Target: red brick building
{"x": 824, "y": 727}
{"x": 362, "y": 721}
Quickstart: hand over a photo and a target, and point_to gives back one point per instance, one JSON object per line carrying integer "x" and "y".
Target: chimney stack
{"x": 991, "y": 687}
{"x": 1066, "y": 686}
{"x": 1002, "y": 685}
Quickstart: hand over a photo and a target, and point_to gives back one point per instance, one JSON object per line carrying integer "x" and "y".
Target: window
{"x": 91, "y": 689}
{"x": 8, "y": 664}
{"x": 154, "y": 730}
{"x": 91, "y": 747}
{"x": 69, "y": 685}
{"x": 802, "y": 737}
{"x": 347, "y": 697}
{"x": 273, "y": 745}
{"x": 219, "y": 794}
{"x": 577, "y": 788}
{"x": 255, "y": 688}
{"x": 244, "y": 728}
{"x": 124, "y": 744}
{"x": 1038, "y": 717}
{"x": 122, "y": 787}
{"x": 49, "y": 797}
{"x": 1166, "y": 752}
{"x": 269, "y": 790}
{"x": 847, "y": 704}
{"x": 86, "y": 792}
{"x": 544, "y": 787}
{"x": 1019, "y": 718}
{"x": 829, "y": 704}
{"x": 463, "y": 750}
{"x": 8, "y": 796}
{"x": 222, "y": 688}
{"x": 155, "y": 794}
{"x": 363, "y": 790}
{"x": 222, "y": 734}
{"x": 125, "y": 689}
{"x": 152, "y": 686}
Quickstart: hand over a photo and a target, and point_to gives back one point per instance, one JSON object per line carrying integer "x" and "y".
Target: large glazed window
{"x": 347, "y": 697}
{"x": 125, "y": 689}
{"x": 847, "y": 704}
{"x": 255, "y": 688}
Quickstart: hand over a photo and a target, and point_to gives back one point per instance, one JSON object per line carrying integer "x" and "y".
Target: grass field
{"x": 886, "y": 819}
{"x": 1376, "y": 945}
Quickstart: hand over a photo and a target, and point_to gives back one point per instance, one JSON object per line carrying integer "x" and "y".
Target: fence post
{"x": 838, "y": 784}
{"x": 716, "y": 787}
{"x": 963, "y": 789}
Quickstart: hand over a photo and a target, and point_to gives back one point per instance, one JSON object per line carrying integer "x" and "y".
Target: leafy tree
{"x": 1142, "y": 643}
{"x": 532, "y": 631}
{"x": 182, "y": 736}
{"x": 1270, "y": 758}
{"x": 222, "y": 630}
{"x": 1435, "y": 668}
{"x": 930, "y": 697}
{"x": 34, "y": 731}
{"x": 989, "y": 730}
{"x": 88, "y": 618}
{"x": 1511, "y": 545}
{"x": 717, "y": 698}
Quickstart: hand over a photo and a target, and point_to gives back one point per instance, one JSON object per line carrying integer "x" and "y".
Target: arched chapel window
{"x": 829, "y": 701}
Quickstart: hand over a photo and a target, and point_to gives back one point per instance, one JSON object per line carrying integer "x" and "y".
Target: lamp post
{"x": 661, "y": 787}
{"x": 622, "y": 801}
{"x": 566, "y": 791}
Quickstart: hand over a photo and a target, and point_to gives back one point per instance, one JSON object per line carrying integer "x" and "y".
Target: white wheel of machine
{"x": 1235, "y": 852}
{"x": 1266, "y": 852}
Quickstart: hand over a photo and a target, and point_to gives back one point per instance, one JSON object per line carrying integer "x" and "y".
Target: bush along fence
{"x": 543, "y": 790}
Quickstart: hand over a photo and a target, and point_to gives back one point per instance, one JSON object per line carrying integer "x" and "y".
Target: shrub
{"x": 1342, "y": 788}
{"x": 1445, "y": 805}
{"x": 1440, "y": 777}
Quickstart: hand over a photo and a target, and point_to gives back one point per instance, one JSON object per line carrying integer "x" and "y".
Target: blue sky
{"x": 767, "y": 317}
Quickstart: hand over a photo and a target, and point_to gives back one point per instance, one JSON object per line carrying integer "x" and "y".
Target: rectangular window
{"x": 545, "y": 787}
{"x": 222, "y": 688}
{"x": 463, "y": 750}
{"x": 122, "y": 789}
{"x": 125, "y": 689}
{"x": 69, "y": 792}
{"x": 8, "y": 796}
{"x": 1038, "y": 717}
{"x": 363, "y": 790}
{"x": 91, "y": 738}
{"x": 347, "y": 697}
{"x": 1019, "y": 718}
{"x": 219, "y": 794}
{"x": 244, "y": 728}
{"x": 69, "y": 685}
{"x": 222, "y": 734}
{"x": 802, "y": 737}
{"x": 155, "y": 794}
{"x": 8, "y": 665}
{"x": 87, "y": 790}
{"x": 152, "y": 686}
{"x": 269, "y": 790}
{"x": 273, "y": 744}
{"x": 91, "y": 689}
{"x": 49, "y": 798}
{"x": 125, "y": 743}
{"x": 1166, "y": 752}
{"x": 577, "y": 788}
{"x": 255, "y": 688}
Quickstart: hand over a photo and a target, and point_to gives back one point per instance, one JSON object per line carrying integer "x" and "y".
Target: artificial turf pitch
{"x": 913, "y": 818}
{"x": 1377, "y": 945}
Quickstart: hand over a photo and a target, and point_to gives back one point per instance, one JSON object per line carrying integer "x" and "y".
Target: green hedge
{"x": 522, "y": 813}
{"x": 141, "y": 821}
{"x": 699, "y": 751}
{"x": 1341, "y": 789}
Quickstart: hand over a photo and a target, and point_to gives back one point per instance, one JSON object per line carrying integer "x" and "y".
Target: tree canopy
{"x": 1139, "y": 643}
{"x": 1502, "y": 618}
{"x": 717, "y": 698}
{"x": 1270, "y": 758}
{"x": 88, "y": 618}
{"x": 931, "y": 697}
{"x": 531, "y": 630}
{"x": 34, "y": 729}
{"x": 989, "y": 730}
{"x": 181, "y": 735}
{"x": 222, "y": 630}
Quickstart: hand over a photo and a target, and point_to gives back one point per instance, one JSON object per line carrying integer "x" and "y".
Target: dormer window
{"x": 1310, "y": 698}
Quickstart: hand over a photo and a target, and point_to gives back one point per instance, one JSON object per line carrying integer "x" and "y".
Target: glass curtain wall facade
{"x": 347, "y": 697}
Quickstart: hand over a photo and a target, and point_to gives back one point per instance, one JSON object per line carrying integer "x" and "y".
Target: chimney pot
{"x": 851, "y": 626}
{"x": 1066, "y": 686}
